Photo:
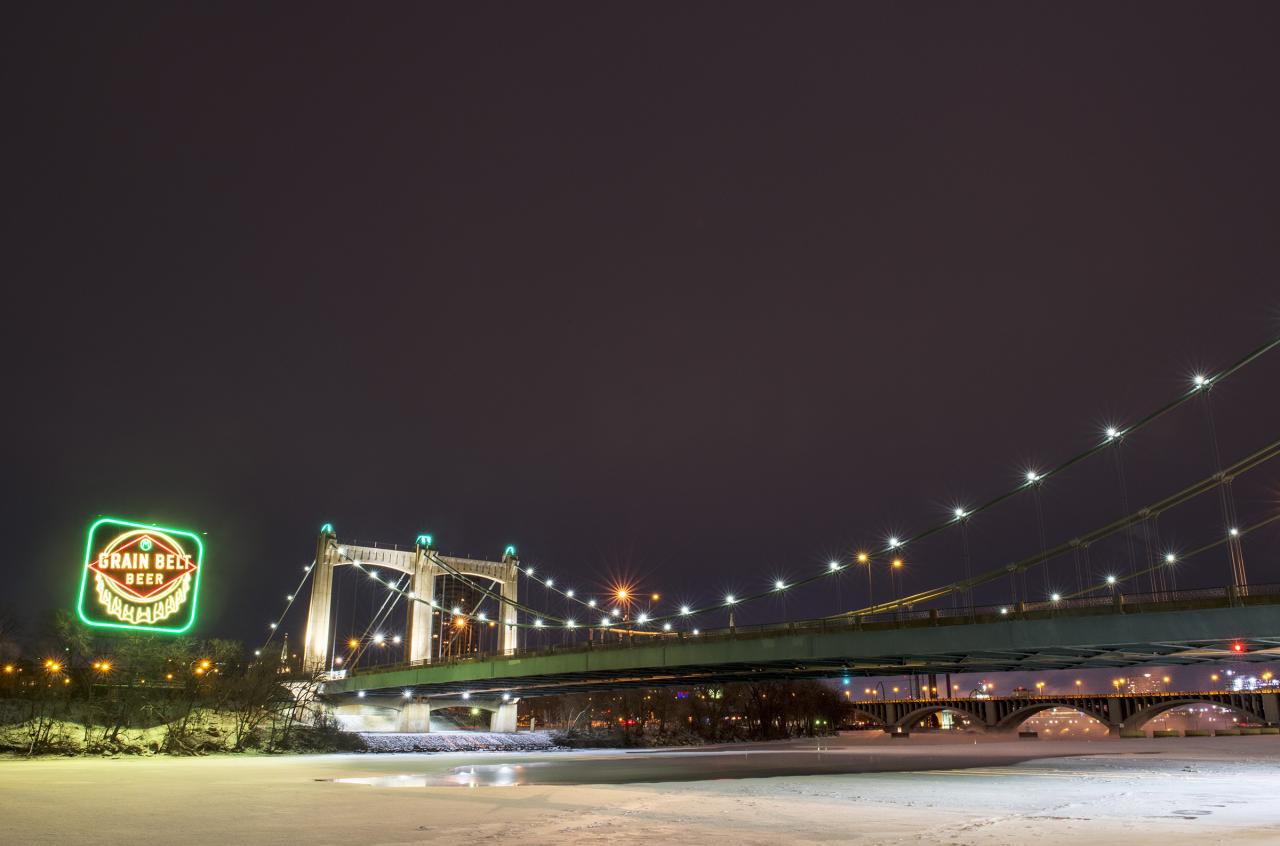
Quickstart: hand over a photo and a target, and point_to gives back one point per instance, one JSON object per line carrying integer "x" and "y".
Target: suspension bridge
{"x": 472, "y": 633}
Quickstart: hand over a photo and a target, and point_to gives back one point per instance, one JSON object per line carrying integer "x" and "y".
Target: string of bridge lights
{"x": 274, "y": 625}
{"x": 1111, "y": 436}
{"x": 1196, "y": 489}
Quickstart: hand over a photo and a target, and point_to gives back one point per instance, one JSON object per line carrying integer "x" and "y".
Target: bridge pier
{"x": 1271, "y": 708}
{"x": 503, "y": 719}
{"x": 415, "y": 717}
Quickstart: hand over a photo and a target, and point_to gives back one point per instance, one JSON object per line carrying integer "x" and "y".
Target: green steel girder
{"x": 1184, "y": 636}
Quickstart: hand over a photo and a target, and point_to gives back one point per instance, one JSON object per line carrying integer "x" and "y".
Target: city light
{"x": 666, "y": 627}
{"x": 1055, "y": 597}
{"x": 642, "y": 618}
{"x": 863, "y": 558}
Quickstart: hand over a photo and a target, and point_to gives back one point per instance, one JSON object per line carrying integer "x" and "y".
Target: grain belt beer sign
{"x": 140, "y": 577}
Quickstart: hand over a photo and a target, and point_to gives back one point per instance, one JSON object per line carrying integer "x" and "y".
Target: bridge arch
{"x": 914, "y": 716}
{"x": 1020, "y": 715}
{"x": 1141, "y": 717}
{"x": 874, "y": 718}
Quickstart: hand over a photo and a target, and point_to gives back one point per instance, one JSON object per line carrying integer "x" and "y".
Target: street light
{"x": 863, "y": 558}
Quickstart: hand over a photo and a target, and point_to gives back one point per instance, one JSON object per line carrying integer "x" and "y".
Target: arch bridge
{"x": 1127, "y": 711}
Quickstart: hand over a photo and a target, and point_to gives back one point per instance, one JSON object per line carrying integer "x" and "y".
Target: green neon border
{"x": 84, "y": 577}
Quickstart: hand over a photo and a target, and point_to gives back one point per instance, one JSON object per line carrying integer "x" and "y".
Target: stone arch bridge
{"x": 1118, "y": 711}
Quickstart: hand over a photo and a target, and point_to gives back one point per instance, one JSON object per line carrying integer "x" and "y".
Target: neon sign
{"x": 140, "y": 577}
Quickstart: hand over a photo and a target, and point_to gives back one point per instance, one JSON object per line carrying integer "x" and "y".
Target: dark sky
{"x": 691, "y": 293}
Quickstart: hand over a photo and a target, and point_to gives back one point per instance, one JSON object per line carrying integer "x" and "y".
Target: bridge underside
{"x": 1113, "y": 640}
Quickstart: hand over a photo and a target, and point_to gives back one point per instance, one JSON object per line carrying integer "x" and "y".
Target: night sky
{"x": 693, "y": 295}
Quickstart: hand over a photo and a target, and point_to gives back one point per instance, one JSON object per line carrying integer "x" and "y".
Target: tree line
{"x": 66, "y": 688}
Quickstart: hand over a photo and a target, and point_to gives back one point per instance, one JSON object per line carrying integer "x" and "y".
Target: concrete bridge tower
{"x": 423, "y": 563}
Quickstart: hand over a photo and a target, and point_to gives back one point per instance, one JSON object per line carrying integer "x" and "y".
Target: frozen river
{"x": 858, "y": 789}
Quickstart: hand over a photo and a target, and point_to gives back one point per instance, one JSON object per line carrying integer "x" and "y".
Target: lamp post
{"x": 863, "y": 558}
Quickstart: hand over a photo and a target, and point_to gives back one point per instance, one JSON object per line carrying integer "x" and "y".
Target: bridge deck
{"x": 1189, "y": 630}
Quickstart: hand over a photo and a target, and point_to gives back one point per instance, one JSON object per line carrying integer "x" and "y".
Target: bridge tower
{"x": 422, "y": 563}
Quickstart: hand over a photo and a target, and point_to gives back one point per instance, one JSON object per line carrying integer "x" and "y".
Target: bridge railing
{"x": 1107, "y": 604}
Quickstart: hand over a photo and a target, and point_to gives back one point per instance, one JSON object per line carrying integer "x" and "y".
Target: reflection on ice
{"x": 485, "y": 775}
